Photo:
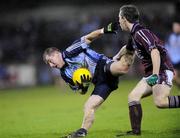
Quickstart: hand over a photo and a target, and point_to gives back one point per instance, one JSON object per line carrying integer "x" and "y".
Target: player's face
{"x": 55, "y": 60}
{"x": 123, "y": 22}
{"x": 176, "y": 27}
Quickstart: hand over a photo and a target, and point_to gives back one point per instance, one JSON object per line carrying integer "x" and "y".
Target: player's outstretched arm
{"x": 110, "y": 28}
{"x": 94, "y": 35}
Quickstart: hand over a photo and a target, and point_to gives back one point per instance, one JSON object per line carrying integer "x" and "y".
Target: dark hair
{"x": 130, "y": 12}
{"x": 48, "y": 52}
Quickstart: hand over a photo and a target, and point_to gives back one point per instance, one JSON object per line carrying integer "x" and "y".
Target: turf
{"x": 51, "y": 112}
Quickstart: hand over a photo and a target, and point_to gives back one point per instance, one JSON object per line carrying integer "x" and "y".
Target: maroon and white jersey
{"x": 142, "y": 42}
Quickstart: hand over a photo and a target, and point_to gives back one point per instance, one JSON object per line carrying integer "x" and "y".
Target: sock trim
{"x": 133, "y": 103}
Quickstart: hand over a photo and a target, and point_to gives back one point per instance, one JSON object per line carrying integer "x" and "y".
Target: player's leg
{"x": 98, "y": 96}
{"x": 162, "y": 90}
{"x": 122, "y": 65}
{"x": 90, "y": 107}
{"x": 160, "y": 95}
{"x": 105, "y": 83}
{"x": 135, "y": 109}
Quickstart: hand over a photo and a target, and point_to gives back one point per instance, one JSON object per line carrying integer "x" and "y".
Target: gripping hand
{"x": 152, "y": 80}
{"x": 85, "y": 82}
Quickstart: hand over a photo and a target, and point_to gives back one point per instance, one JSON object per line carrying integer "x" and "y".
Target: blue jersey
{"x": 79, "y": 55}
{"x": 173, "y": 47}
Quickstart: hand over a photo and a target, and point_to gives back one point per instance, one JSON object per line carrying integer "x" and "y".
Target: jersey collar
{"x": 64, "y": 59}
{"x": 135, "y": 27}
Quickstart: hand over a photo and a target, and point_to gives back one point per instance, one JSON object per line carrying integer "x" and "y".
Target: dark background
{"x": 29, "y": 27}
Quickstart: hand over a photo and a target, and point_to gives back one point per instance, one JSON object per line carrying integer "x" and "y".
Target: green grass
{"x": 51, "y": 112}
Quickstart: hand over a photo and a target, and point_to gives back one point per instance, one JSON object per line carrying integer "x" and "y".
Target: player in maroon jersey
{"x": 158, "y": 68}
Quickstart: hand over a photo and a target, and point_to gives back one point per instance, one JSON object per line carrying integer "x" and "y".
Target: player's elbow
{"x": 154, "y": 52}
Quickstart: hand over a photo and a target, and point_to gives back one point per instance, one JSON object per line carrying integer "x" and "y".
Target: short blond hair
{"x": 48, "y": 52}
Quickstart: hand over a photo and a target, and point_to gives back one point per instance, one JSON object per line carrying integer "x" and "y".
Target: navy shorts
{"x": 103, "y": 80}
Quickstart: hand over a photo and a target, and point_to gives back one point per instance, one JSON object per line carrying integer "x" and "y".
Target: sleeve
{"x": 145, "y": 38}
{"x": 76, "y": 48}
{"x": 83, "y": 43}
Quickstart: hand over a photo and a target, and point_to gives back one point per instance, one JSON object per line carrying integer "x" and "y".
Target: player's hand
{"x": 111, "y": 28}
{"x": 152, "y": 80}
{"x": 85, "y": 82}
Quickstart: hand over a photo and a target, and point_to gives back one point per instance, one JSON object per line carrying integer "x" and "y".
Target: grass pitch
{"x": 51, "y": 112}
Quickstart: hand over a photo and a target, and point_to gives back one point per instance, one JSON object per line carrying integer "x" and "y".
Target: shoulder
{"x": 144, "y": 35}
{"x": 78, "y": 44}
{"x": 142, "y": 32}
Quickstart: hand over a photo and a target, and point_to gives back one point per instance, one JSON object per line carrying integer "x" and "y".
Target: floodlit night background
{"x": 29, "y": 27}
{"x": 28, "y": 87}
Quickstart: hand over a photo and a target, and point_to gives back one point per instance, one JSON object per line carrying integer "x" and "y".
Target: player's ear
{"x": 124, "y": 18}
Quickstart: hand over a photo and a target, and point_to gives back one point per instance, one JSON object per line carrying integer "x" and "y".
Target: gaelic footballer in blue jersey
{"x": 157, "y": 66}
{"x": 105, "y": 71}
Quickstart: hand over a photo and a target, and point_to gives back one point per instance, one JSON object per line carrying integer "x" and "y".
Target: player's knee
{"x": 88, "y": 108}
{"x": 159, "y": 102}
{"x": 123, "y": 69}
{"x": 133, "y": 97}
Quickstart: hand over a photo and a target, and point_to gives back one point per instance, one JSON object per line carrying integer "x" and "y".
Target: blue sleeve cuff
{"x": 83, "y": 43}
